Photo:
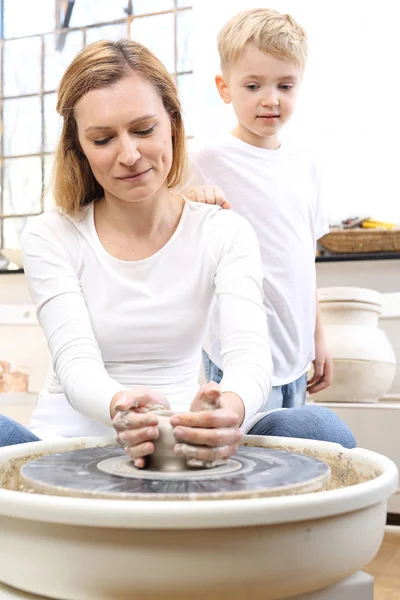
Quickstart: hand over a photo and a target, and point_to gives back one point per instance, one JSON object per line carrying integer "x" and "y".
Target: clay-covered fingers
{"x": 139, "y": 399}
{"x": 135, "y": 433}
{"x": 206, "y": 437}
{"x": 130, "y": 421}
{"x": 213, "y": 438}
{"x": 207, "y": 398}
{"x": 206, "y": 419}
{"x": 136, "y": 423}
{"x": 203, "y": 456}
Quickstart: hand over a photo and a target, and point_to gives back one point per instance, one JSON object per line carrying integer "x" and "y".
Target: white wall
{"x": 349, "y": 105}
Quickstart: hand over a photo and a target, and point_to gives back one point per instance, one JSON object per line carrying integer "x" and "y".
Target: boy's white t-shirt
{"x": 278, "y": 192}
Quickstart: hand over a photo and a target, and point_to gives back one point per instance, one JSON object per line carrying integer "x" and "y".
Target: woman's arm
{"x": 246, "y": 356}
{"x": 210, "y": 432}
{"x": 52, "y": 276}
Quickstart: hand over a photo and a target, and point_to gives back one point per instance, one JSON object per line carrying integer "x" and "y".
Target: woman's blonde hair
{"x": 99, "y": 65}
{"x": 266, "y": 29}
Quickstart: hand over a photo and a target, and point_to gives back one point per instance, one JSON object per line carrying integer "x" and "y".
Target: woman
{"x": 124, "y": 275}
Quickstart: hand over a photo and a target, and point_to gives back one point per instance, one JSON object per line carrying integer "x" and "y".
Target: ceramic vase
{"x": 364, "y": 360}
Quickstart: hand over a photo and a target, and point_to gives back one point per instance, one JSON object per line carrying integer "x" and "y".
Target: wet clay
{"x": 164, "y": 458}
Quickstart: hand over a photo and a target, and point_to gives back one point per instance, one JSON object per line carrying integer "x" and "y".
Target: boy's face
{"x": 263, "y": 91}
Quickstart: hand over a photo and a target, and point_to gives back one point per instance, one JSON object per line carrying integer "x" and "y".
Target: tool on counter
{"x": 367, "y": 223}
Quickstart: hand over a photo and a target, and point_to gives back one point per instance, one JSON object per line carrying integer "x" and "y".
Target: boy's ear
{"x": 223, "y": 89}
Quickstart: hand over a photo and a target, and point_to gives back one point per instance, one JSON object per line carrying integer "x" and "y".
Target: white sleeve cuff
{"x": 94, "y": 401}
{"x": 250, "y": 393}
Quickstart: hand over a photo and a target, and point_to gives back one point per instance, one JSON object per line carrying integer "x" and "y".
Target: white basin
{"x": 259, "y": 548}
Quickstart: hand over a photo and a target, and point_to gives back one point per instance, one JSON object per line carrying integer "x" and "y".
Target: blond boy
{"x": 263, "y": 55}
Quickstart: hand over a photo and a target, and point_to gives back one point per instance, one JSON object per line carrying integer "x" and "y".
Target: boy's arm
{"x": 323, "y": 364}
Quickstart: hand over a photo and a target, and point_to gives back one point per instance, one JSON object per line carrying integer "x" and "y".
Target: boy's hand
{"x": 207, "y": 194}
{"x": 323, "y": 370}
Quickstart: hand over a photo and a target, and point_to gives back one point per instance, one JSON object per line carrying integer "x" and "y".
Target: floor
{"x": 385, "y": 568}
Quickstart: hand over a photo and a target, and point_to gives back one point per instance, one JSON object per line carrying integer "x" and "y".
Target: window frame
{"x": 60, "y": 6}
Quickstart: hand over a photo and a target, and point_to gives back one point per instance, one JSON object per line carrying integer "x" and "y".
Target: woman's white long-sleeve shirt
{"x": 112, "y": 324}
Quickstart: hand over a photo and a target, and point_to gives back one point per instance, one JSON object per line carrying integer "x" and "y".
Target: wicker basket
{"x": 348, "y": 241}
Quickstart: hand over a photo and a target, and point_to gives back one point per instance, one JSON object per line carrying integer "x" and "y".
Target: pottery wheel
{"x": 107, "y": 472}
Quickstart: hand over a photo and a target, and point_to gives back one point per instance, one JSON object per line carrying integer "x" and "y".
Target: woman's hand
{"x": 207, "y": 194}
{"x": 134, "y": 421}
{"x": 209, "y": 434}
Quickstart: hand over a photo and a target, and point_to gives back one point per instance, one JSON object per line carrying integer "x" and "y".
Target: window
{"x": 36, "y": 51}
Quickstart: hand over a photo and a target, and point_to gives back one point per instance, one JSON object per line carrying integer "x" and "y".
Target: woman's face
{"x": 125, "y": 134}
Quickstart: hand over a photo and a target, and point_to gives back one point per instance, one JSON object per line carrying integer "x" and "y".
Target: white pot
{"x": 261, "y": 548}
{"x": 364, "y": 360}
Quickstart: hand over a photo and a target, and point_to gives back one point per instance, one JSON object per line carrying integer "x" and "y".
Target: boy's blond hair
{"x": 268, "y": 30}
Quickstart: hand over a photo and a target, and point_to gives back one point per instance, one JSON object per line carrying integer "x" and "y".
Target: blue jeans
{"x": 12, "y": 433}
{"x": 282, "y": 396}
{"x": 305, "y": 422}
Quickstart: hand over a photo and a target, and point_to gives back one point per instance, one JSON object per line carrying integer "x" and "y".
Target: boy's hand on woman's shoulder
{"x": 207, "y": 194}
